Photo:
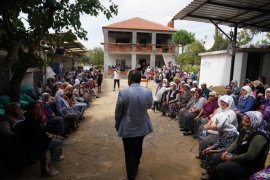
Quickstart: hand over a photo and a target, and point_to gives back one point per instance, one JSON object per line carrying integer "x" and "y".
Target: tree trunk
{"x": 15, "y": 83}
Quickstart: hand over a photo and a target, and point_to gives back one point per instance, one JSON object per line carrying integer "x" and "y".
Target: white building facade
{"x": 138, "y": 42}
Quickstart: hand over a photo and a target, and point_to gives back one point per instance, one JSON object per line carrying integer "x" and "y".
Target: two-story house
{"x": 138, "y": 42}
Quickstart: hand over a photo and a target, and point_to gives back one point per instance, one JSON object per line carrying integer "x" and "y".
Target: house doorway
{"x": 254, "y": 65}
{"x": 142, "y": 65}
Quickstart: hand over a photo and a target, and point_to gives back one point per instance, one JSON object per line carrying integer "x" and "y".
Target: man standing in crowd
{"x": 132, "y": 120}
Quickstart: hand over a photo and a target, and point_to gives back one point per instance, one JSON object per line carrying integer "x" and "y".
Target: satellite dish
{"x": 209, "y": 44}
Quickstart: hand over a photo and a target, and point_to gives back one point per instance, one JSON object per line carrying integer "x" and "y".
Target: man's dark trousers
{"x": 133, "y": 153}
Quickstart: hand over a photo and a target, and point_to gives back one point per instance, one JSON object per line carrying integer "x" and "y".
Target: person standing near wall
{"x": 132, "y": 120}
{"x": 116, "y": 78}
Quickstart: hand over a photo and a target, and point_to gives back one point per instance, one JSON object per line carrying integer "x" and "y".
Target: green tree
{"x": 245, "y": 36}
{"x": 97, "y": 56}
{"x": 221, "y": 43}
{"x": 190, "y": 59}
{"x": 267, "y": 40}
{"x": 183, "y": 38}
{"x": 84, "y": 59}
{"x": 24, "y": 24}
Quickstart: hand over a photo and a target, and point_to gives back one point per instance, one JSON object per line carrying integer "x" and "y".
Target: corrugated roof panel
{"x": 245, "y": 13}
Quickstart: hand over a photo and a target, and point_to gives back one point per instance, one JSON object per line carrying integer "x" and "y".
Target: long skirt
{"x": 205, "y": 142}
{"x": 55, "y": 148}
{"x": 181, "y": 116}
{"x": 199, "y": 126}
{"x": 164, "y": 107}
{"x": 189, "y": 120}
{"x": 211, "y": 160}
{"x": 173, "y": 110}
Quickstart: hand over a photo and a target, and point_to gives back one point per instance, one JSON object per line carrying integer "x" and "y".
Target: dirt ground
{"x": 95, "y": 152}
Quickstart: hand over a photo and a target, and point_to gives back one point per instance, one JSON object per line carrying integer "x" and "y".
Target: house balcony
{"x": 142, "y": 48}
{"x": 120, "y": 47}
{"x": 161, "y": 48}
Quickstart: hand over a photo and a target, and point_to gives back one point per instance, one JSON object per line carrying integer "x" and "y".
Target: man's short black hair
{"x": 135, "y": 76}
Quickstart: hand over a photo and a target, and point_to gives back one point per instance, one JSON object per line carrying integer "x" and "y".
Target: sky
{"x": 159, "y": 11}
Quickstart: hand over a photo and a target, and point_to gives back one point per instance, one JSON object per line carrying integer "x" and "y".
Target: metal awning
{"x": 252, "y": 14}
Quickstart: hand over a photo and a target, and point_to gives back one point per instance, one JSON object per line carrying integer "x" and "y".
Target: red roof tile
{"x": 139, "y": 24}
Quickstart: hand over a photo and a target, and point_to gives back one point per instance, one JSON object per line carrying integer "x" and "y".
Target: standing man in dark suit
{"x": 132, "y": 121}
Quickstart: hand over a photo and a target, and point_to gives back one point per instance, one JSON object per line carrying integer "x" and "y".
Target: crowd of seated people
{"x": 232, "y": 128}
{"x": 26, "y": 135}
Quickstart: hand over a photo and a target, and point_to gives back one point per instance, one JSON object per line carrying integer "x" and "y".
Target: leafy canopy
{"x": 95, "y": 56}
{"x": 24, "y": 24}
{"x": 190, "y": 59}
{"x": 183, "y": 38}
{"x": 221, "y": 43}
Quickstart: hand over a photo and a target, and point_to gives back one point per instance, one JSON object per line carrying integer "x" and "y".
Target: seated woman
{"x": 229, "y": 92}
{"x": 227, "y": 133}
{"x": 183, "y": 110}
{"x": 192, "y": 112}
{"x": 246, "y": 103}
{"x": 54, "y": 124}
{"x": 13, "y": 116}
{"x": 65, "y": 110}
{"x": 35, "y": 137}
{"x": 265, "y": 107}
{"x": 184, "y": 96}
{"x": 161, "y": 88}
{"x": 247, "y": 154}
{"x": 224, "y": 114}
{"x": 206, "y": 111}
{"x": 169, "y": 106}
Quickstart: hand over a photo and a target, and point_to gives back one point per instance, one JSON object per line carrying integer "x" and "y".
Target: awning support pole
{"x": 234, "y": 50}
{"x": 221, "y": 30}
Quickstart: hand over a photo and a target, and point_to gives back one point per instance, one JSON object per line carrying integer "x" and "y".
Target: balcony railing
{"x": 161, "y": 48}
{"x": 146, "y": 48}
{"x": 120, "y": 47}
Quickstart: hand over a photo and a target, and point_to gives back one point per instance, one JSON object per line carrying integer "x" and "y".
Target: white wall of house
{"x": 215, "y": 68}
{"x": 240, "y": 67}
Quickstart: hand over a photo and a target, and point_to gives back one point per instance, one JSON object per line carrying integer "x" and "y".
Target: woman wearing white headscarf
{"x": 246, "y": 101}
{"x": 65, "y": 110}
{"x": 247, "y": 154}
{"x": 224, "y": 120}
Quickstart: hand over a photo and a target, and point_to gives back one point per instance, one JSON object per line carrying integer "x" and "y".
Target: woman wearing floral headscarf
{"x": 248, "y": 152}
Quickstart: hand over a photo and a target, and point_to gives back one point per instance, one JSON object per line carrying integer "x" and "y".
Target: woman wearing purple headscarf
{"x": 265, "y": 106}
